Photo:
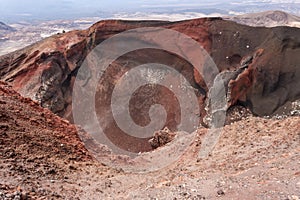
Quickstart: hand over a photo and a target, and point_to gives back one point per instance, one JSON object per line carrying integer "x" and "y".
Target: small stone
{"x": 161, "y": 138}
{"x": 199, "y": 197}
{"x": 24, "y": 196}
{"x": 71, "y": 167}
{"x": 294, "y": 197}
{"x": 220, "y": 192}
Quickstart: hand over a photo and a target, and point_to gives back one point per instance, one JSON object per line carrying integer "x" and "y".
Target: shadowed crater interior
{"x": 141, "y": 99}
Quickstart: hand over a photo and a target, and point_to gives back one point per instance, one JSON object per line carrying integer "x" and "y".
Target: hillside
{"x": 267, "y": 19}
{"x": 4, "y": 27}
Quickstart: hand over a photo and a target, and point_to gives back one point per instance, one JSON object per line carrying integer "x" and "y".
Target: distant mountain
{"x": 4, "y": 27}
{"x": 4, "y": 30}
{"x": 21, "y": 34}
{"x": 267, "y": 19}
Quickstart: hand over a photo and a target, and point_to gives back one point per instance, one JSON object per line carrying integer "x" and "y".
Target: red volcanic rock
{"x": 238, "y": 87}
{"x": 260, "y": 66}
{"x": 161, "y": 138}
{"x": 30, "y": 131}
{"x": 42, "y": 71}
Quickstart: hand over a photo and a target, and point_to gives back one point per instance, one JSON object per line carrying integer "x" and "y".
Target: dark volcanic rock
{"x": 269, "y": 69}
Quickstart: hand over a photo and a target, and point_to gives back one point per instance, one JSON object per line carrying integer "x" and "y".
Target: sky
{"x": 16, "y": 10}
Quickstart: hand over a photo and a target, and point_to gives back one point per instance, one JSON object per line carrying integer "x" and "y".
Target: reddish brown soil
{"x": 41, "y": 157}
{"x": 34, "y": 143}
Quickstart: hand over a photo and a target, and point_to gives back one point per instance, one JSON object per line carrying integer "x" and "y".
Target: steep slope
{"x": 34, "y": 142}
{"x": 29, "y": 132}
{"x": 45, "y": 71}
{"x": 261, "y": 73}
{"x": 260, "y": 68}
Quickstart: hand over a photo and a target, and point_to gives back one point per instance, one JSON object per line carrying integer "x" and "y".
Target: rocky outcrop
{"x": 161, "y": 138}
{"x": 260, "y": 66}
{"x": 268, "y": 65}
